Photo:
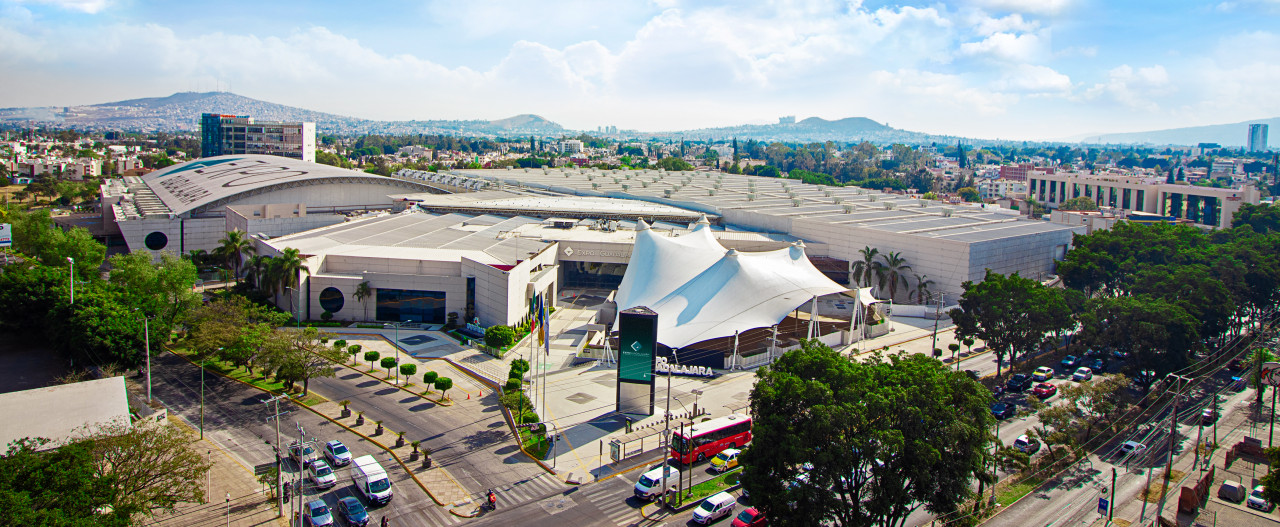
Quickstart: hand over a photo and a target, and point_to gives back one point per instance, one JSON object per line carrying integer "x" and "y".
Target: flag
{"x": 533, "y": 312}
{"x": 542, "y": 331}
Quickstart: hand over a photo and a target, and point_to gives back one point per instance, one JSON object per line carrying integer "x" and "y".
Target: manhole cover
{"x": 556, "y": 505}
{"x": 581, "y": 398}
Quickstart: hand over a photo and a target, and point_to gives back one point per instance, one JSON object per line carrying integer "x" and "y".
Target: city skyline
{"x": 1011, "y": 69}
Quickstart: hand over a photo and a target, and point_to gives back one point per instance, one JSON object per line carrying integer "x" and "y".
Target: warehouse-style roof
{"x": 213, "y": 181}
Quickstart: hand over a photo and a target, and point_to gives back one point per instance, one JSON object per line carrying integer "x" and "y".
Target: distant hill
{"x": 817, "y": 129}
{"x": 181, "y": 112}
{"x": 1234, "y": 135}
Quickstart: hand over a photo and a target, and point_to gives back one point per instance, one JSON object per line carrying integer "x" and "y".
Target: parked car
{"x": 1003, "y": 411}
{"x": 717, "y": 506}
{"x": 1208, "y": 416}
{"x": 1026, "y": 445}
{"x": 321, "y": 475}
{"x": 1069, "y": 362}
{"x": 352, "y": 512}
{"x": 1045, "y": 390}
{"x": 317, "y": 514}
{"x": 1094, "y": 353}
{"x": 1098, "y": 365}
{"x": 1120, "y": 355}
{"x": 1082, "y": 374}
{"x": 750, "y": 517}
{"x": 725, "y": 460}
{"x": 1232, "y": 491}
{"x": 1042, "y": 374}
{"x": 302, "y": 454}
{"x": 1019, "y": 382}
{"x": 337, "y": 453}
{"x": 1256, "y": 501}
{"x": 1235, "y": 365}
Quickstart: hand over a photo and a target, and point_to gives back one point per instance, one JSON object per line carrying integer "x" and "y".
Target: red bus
{"x": 708, "y": 438}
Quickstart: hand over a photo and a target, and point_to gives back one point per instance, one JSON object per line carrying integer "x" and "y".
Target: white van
{"x": 717, "y": 506}
{"x": 650, "y": 484}
{"x": 371, "y": 479}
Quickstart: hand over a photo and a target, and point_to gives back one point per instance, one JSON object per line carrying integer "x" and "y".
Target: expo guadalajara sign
{"x": 682, "y": 369}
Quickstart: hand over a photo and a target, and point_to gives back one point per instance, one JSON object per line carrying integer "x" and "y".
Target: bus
{"x": 708, "y": 438}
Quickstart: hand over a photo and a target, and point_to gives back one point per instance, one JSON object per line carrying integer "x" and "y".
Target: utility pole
{"x": 1173, "y": 435}
{"x": 666, "y": 456}
{"x": 276, "y": 417}
{"x": 937, "y": 315}
{"x": 1111, "y": 508}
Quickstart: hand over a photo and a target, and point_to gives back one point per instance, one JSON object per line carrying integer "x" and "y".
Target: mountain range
{"x": 180, "y": 112}
{"x": 1227, "y": 135}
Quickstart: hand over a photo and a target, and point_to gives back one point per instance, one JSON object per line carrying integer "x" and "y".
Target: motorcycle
{"x": 493, "y": 500}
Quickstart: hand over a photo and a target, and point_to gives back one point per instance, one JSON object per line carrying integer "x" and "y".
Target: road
{"x": 470, "y": 438}
{"x": 236, "y": 419}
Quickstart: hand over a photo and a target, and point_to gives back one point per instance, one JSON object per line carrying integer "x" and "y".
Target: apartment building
{"x": 1206, "y": 206}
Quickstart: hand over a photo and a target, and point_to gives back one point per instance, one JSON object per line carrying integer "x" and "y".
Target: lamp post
{"x": 71, "y": 277}
{"x": 696, "y": 393}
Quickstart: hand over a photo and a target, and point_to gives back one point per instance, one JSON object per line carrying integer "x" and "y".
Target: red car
{"x": 751, "y": 517}
{"x": 1045, "y": 390}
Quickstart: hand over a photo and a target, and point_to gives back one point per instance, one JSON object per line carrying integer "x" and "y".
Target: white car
{"x": 1082, "y": 374}
{"x": 717, "y": 506}
{"x": 1131, "y": 449}
{"x": 337, "y": 453}
{"x": 1256, "y": 501}
{"x": 321, "y": 475}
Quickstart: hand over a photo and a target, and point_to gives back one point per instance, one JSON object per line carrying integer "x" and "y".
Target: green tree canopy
{"x": 1011, "y": 314}
{"x": 673, "y": 164}
{"x": 1080, "y": 203}
{"x": 55, "y": 487}
{"x": 842, "y": 442}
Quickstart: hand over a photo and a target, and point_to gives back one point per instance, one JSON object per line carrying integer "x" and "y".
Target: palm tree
{"x": 922, "y": 288}
{"x": 866, "y": 268}
{"x": 259, "y": 265}
{"x": 234, "y": 248}
{"x": 362, "y": 292}
{"x": 197, "y": 257}
{"x": 287, "y": 270}
{"x": 893, "y": 269}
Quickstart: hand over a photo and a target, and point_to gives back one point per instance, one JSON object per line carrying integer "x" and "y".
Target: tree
{"x": 673, "y": 164}
{"x": 429, "y": 379}
{"x": 234, "y": 248}
{"x": 150, "y": 466}
{"x": 443, "y": 384}
{"x": 388, "y": 363}
{"x": 55, "y": 487}
{"x": 922, "y": 291}
{"x": 843, "y": 442}
{"x": 1011, "y": 314}
{"x": 499, "y": 336}
{"x": 287, "y": 268}
{"x": 371, "y": 356}
{"x": 408, "y": 370}
{"x": 969, "y": 194}
{"x": 1158, "y": 335}
{"x": 1080, "y": 203}
{"x": 161, "y": 289}
{"x": 354, "y": 350}
{"x": 867, "y": 267}
{"x": 362, "y": 292}
{"x": 893, "y": 271}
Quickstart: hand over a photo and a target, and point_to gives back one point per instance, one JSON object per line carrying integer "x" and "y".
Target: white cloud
{"x": 1039, "y": 7}
{"x": 1135, "y": 88}
{"x": 1034, "y": 79}
{"x": 946, "y": 90}
{"x": 987, "y": 25}
{"x": 84, "y": 6}
{"x": 1012, "y": 47}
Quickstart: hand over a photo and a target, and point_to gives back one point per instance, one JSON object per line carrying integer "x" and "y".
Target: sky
{"x": 996, "y": 69}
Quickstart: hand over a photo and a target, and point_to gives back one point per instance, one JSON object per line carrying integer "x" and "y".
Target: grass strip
{"x": 1017, "y": 490}
{"x": 719, "y": 483}
{"x": 259, "y": 381}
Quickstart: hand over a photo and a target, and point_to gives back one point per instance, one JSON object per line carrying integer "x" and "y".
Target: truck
{"x": 371, "y": 479}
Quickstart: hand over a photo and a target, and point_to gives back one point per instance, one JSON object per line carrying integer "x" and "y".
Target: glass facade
{"x": 403, "y": 305}
{"x": 591, "y": 275}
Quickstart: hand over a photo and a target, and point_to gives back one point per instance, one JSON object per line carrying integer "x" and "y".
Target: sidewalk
{"x": 250, "y": 504}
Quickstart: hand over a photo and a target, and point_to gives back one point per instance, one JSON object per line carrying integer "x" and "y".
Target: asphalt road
{"x": 470, "y": 438}
{"x": 236, "y": 419}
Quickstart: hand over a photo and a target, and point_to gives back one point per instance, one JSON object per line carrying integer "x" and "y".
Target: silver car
{"x": 337, "y": 453}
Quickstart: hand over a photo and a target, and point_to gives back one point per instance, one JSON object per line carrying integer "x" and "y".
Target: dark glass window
{"x": 592, "y": 275}
{"x": 403, "y": 305}
{"x": 156, "y": 241}
{"x": 331, "y": 299}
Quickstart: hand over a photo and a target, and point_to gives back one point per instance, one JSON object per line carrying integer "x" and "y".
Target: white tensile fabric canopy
{"x": 702, "y": 291}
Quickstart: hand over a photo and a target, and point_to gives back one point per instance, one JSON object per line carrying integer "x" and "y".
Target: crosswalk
{"x": 615, "y": 507}
{"x": 523, "y": 491}
{"x": 422, "y": 514}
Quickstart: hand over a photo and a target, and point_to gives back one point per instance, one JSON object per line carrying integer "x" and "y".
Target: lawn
{"x": 717, "y": 484}
{"x": 1016, "y": 491}
{"x": 535, "y": 443}
{"x": 256, "y": 379}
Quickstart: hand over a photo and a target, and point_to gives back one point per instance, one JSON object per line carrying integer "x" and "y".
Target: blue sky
{"x": 1014, "y": 69}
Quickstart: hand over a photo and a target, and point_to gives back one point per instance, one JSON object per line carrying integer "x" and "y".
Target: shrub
{"x": 326, "y": 316}
{"x": 513, "y": 384}
{"x": 408, "y": 369}
{"x": 388, "y": 363}
{"x": 520, "y": 365}
{"x": 529, "y": 416}
{"x": 354, "y": 349}
{"x": 340, "y": 343}
{"x": 499, "y": 336}
{"x": 515, "y": 400}
{"x": 371, "y": 356}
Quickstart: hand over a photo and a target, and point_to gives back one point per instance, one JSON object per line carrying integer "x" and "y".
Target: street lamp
{"x": 146, "y": 340}
{"x": 696, "y": 392}
{"x": 71, "y": 278}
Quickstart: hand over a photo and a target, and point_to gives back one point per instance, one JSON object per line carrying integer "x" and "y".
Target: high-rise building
{"x": 1258, "y": 137}
{"x": 239, "y": 134}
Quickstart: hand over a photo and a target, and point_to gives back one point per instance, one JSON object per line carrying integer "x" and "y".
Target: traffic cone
{"x": 468, "y": 397}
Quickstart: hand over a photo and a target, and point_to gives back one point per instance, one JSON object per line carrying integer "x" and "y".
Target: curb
{"x": 330, "y": 419}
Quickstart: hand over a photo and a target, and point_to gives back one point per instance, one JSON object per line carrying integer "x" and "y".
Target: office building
{"x": 222, "y": 135}
{"x": 1205, "y": 206}
{"x": 1258, "y": 137}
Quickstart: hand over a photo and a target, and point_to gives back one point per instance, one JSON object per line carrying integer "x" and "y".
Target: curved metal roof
{"x": 212, "y": 180}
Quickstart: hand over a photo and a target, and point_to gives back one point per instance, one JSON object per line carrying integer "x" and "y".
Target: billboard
{"x": 637, "y": 346}
{"x": 6, "y": 235}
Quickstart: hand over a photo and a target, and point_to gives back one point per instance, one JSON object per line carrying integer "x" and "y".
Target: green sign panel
{"x": 637, "y": 340}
